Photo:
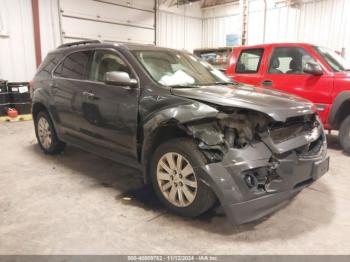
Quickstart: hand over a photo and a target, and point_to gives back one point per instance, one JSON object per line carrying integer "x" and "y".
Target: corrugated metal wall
{"x": 17, "y": 57}
{"x": 322, "y": 22}
{"x": 220, "y": 21}
{"x": 50, "y": 32}
{"x": 180, "y": 27}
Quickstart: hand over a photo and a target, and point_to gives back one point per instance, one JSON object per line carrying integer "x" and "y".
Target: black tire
{"x": 204, "y": 198}
{"x": 56, "y": 146}
{"x": 344, "y": 134}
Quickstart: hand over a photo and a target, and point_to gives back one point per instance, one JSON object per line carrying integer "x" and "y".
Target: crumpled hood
{"x": 277, "y": 105}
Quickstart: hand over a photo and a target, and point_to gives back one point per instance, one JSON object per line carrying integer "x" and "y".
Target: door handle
{"x": 267, "y": 83}
{"x": 90, "y": 95}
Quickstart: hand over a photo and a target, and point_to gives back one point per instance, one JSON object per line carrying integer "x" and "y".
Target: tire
{"x": 344, "y": 134}
{"x": 46, "y": 134}
{"x": 197, "y": 197}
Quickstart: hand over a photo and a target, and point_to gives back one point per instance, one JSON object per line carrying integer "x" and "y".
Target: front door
{"x": 111, "y": 110}
{"x": 285, "y": 73}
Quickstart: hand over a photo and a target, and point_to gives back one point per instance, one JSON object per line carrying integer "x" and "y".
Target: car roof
{"x": 276, "y": 45}
{"x": 91, "y": 44}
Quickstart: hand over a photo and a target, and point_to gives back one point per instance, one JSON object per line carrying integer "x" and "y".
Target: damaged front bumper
{"x": 258, "y": 179}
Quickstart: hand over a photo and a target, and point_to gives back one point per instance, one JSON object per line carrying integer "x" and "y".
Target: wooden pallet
{"x": 15, "y": 119}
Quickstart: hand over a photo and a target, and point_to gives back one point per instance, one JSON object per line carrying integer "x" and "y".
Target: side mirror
{"x": 119, "y": 78}
{"x": 313, "y": 69}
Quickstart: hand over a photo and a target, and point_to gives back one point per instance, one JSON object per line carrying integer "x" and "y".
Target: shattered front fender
{"x": 176, "y": 113}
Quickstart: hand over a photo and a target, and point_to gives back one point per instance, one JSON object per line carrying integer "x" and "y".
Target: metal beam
{"x": 36, "y": 29}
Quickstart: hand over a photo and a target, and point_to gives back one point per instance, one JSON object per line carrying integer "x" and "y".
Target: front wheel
{"x": 175, "y": 181}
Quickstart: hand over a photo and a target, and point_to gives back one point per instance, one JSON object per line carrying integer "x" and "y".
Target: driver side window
{"x": 289, "y": 60}
{"x": 106, "y": 61}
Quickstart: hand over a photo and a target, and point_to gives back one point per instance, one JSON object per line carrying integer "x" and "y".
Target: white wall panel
{"x": 85, "y": 29}
{"x": 140, "y": 4}
{"x": 180, "y": 27}
{"x": 215, "y": 30}
{"x": 108, "y": 12}
{"x": 321, "y": 22}
{"x": 17, "y": 56}
{"x": 220, "y": 21}
{"x": 179, "y": 32}
{"x": 50, "y": 34}
{"x": 111, "y": 20}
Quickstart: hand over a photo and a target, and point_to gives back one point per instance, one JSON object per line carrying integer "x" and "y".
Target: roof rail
{"x": 85, "y": 42}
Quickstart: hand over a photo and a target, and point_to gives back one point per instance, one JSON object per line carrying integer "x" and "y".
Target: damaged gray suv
{"x": 198, "y": 138}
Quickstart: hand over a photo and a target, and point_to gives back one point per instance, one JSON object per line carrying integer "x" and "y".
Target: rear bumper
{"x": 242, "y": 203}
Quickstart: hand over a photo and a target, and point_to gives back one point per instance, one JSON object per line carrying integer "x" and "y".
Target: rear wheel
{"x": 344, "y": 134}
{"x": 46, "y": 134}
{"x": 175, "y": 181}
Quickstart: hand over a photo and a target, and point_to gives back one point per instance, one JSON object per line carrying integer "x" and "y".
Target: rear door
{"x": 249, "y": 66}
{"x": 111, "y": 111}
{"x": 67, "y": 87}
{"x": 285, "y": 72}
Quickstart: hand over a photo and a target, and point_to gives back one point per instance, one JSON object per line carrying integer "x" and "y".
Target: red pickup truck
{"x": 315, "y": 73}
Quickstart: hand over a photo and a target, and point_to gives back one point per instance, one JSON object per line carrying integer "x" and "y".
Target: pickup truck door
{"x": 284, "y": 72}
{"x": 111, "y": 110}
{"x": 249, "y": 67}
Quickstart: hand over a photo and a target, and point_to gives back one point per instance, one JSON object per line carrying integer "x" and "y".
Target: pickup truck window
{"x": 289, "y": 60}
{"x": 249, "y": 61}
{"x": 335, "y": 61}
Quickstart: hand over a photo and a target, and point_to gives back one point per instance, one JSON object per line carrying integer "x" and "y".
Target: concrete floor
{"x": 78, "y": 203}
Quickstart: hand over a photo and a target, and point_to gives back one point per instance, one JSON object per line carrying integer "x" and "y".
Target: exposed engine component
{"x": 209, "y": 132}
{"x": 240, "y": 127}
{"x": 282, "y": 131}
{"x": 234, "y": 130}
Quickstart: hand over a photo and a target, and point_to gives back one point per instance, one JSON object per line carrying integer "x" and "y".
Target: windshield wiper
{"x": 205, "y": 84}
{"x": 218, "y": 83}
{"x": 183, "y": 86}
{"x": 226, "y": 83}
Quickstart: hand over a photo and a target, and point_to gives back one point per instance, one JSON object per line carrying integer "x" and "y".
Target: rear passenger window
{"x": 74, "y": 66}
{"x": 249, "y": 61}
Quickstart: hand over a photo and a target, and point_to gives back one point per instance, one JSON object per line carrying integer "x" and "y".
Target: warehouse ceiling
{"x": 204, "y": 3}
{"x": 211, "y": 3}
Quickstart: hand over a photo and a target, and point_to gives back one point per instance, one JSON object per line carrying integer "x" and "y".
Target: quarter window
{"x": 106, "y": 61}
{"x": 74, "y": 66}
{"x": 249, "y": 61}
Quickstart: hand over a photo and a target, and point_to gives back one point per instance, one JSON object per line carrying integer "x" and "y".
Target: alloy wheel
{"x": 176, "y": 179}
{"x": 44, "y": 133}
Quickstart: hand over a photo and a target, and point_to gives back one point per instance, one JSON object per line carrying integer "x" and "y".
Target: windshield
{"x": 335, "y": 61}
{"x": 172, "y": 68}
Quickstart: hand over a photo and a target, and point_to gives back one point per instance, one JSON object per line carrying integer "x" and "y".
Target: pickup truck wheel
{"x": 344, "y": 134}
{"x": 46, "y": 134}
{"x": 174, "y": 180}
